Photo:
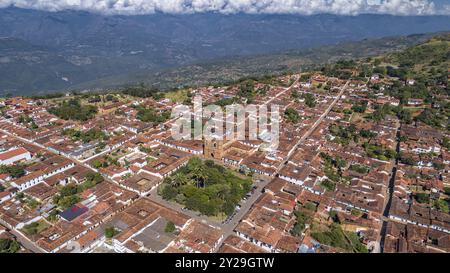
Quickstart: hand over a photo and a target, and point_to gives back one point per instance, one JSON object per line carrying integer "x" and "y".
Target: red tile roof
{"x": 13, "y": 153}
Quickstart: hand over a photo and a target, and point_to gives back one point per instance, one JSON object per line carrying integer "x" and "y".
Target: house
{"x": 51, "y": 166}
{"x": 415, "y": 102}
{"x": 410, "y": 81}
{"x": 168, "y": 162}
{"x": 294, "y": 174}
{"x": 115, "y": 172}
{"x": 142, "y": 226}
{"x": 5, "y": 196}
{"x": 142, "y": 184}
{"x": 14, "y": 155}
{"x": 235, "y": 244}
{"x": 374, "y": 78}
{"x": 73, "y": 212}
{"x": 267, "y": 224}
{"x": 197, "y": 238}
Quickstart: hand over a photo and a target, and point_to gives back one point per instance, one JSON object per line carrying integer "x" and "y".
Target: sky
{"x": 304, "y": 7}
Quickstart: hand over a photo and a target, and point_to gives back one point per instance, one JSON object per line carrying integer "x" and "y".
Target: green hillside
{"x": 231, "y": 69}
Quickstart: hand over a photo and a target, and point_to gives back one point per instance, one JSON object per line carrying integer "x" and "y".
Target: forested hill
{"x": 427, "y": 61}
{"x": 232, "y": 69}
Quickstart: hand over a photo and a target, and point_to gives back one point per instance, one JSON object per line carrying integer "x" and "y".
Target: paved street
{"x": 25, "y": 242}
{"x": 311, "y": 130}
{"x": 390, "y": 193}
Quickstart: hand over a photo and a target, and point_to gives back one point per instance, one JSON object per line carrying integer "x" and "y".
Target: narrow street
{"x": 390, "y": 194}
{"x": 25, "y": 242}
{"x": 313, "y": 128}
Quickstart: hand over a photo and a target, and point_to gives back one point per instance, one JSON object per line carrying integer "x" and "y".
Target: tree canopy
{"x": 206, "y": 187}
{"x": 9, "y": 246}
{"x": 73, "y": 110}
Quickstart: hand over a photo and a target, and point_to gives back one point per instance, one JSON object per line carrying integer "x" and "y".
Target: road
{"x": 390, "y": 193}
{"x": 26, "y": 243}
{"x": 281, "y": 93}
{"x": 314, "y": 127}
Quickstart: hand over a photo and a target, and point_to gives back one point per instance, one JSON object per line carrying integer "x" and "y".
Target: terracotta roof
{"x": 12, "y": 153}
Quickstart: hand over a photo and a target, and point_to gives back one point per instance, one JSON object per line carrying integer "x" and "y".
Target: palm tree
{"x": 223, "y": 191}
{"x": 178, "y": 180}
{"x": 198, "y": 174}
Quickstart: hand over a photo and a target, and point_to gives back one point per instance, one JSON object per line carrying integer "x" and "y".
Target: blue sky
{"x": 442, "y": 2}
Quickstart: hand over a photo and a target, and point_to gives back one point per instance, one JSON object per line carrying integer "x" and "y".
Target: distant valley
{"x": 43, "y": 51}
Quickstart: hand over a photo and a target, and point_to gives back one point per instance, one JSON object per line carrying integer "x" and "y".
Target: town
{"x": 357, "y": 169}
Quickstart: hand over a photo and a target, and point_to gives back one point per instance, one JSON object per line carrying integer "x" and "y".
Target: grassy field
{"x": 35, "y": 228}
{"x": 178, "y": 96}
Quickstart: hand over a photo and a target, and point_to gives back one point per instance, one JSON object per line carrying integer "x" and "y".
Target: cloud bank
{"x": 304, "y": 7}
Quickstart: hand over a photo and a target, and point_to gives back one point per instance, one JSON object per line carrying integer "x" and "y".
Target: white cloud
{"x": 446, "y": 9}
{"x": 407, "y": 7}
{"x": 344, "y": 7}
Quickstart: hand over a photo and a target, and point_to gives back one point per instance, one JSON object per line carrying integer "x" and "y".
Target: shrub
{"x": 328, "y": 185}
{"x": 9, "y": 246}
{"x": 422, "y": 197}
{"x": 170, "y": 227}
{"x": 111, "y": 232}
{"x": 292, "y": 115}
{"x": 442, "y": 205}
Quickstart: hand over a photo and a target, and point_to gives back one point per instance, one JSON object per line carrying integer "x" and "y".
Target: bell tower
{"x": 213, "y": 149}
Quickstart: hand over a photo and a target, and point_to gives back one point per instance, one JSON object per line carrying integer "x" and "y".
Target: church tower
{"x": 213, "y": 149}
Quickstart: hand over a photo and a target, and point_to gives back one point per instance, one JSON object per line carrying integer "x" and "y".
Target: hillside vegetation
{"x": 224, "y": 71}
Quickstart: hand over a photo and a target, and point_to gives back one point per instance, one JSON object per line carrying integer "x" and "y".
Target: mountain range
{"x": 52, "y": 51}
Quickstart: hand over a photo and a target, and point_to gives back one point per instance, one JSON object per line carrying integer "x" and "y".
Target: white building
{"x": 14, "y": 155}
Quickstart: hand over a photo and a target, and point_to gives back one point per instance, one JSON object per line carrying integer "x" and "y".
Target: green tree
{"x": 360, "y": 106}
{"x": 97, "y": 164}
{"x": 247, "y": 90}
{"x": 15, "y": 171}
{"x": 170, "y": 227}
{"x": 422, "y": 197}
{"x": 442, "y": 205}
{"x": 111, "y": 232}
{"x": 328, "y": 185}
{"x": 73, "y": 110}
{"x": 205, "y": 187}
{"x": 310, "y": 101}
{"x": 297, "y": 229}
{"x": 179, "y": 179}
{"x": 94, "y": 178}
{"x": 310, "y": 206}
{"x": 9, "y": 246}
{"x": 169, "y": 192}
{"x": 292, "y": 115}
{"x": 68, "y": 201}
